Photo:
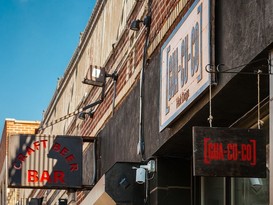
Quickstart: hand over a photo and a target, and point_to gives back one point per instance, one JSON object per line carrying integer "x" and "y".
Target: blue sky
{"x": 37, "y": 41}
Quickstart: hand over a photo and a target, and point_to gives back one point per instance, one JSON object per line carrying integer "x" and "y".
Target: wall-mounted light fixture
{"x": 135, "y": 25}
{"x": 83, "y": 114}
{"x": 96, "y": 76}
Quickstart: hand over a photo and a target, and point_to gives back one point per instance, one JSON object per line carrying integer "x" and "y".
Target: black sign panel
{"x": 229, "y": 152}
{"x": 37, "y": 161}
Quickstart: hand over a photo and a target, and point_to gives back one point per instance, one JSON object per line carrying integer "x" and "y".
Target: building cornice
{"x": 75, "y": 58}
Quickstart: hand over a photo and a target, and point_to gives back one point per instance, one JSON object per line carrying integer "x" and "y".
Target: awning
{"x": 117, "y": 186}
{"x": 98, "y": 195}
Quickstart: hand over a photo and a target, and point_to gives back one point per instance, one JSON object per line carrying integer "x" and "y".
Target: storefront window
{"x": 213, "y": 191}
{"x": 251, "y": 191}
{"x": 244, "y": 191}
{"x": 238, "y": 191}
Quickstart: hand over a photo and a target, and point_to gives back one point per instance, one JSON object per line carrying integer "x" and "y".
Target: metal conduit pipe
{"x": 141, "y": 143}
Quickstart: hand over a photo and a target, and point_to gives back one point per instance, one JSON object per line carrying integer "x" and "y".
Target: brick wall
{"x": 21, "y": 127}
{"x": 3, "y": 147}
{"x": 126, "y": 58}
{"x": 12, "y": 127}
{"x": 165, "y": 16}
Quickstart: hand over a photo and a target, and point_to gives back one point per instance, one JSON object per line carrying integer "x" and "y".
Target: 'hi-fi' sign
{"x": 229, "y": 152}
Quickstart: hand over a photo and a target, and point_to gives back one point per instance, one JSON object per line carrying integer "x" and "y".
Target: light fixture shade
{"x": 135, "y": 25}
{"x": 147, "y": 21}
{"x": 90, "y": 113}
{"x": 95, "y": 76}
{"x": 82, "y": 116}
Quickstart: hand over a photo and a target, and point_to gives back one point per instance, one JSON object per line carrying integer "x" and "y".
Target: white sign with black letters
{"x": 183, "y": 59}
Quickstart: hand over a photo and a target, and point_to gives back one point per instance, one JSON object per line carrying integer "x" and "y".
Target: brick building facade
{"x": 13, "y": 196}
{"x": 140, "y": 121}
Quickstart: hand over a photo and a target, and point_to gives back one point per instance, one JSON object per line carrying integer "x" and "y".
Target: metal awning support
{"x": 222, "y": 68}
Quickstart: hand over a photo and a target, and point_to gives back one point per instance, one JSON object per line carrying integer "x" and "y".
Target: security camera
{"x": 140, "y": 175}
{"x": 143, "y": 170}
{"x": 256, "y": 184}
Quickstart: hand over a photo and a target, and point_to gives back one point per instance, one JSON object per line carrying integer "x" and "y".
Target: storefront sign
{"x": 45, "y": 161}
{"x": 184, "y": 57}
{"x": 229, "y": 152}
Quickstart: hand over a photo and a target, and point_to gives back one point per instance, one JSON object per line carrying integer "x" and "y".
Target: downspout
{"x": 141, "y": 142}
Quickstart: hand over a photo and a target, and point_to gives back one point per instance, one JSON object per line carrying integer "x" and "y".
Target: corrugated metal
{"x": 45, "y": 161}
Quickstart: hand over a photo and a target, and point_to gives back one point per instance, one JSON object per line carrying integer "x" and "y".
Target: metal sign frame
{"x": 183, "y": 58}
